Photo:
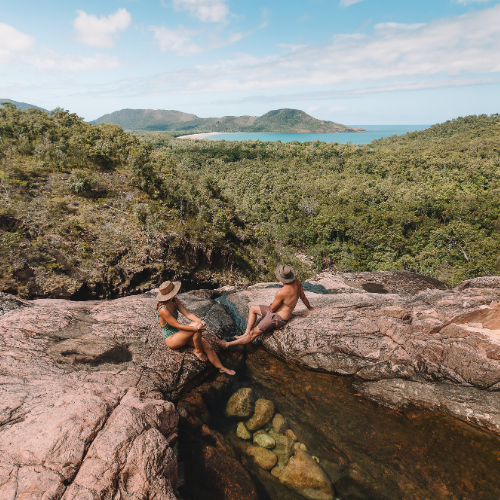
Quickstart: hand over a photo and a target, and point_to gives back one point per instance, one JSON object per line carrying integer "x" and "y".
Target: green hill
{"x": 23, "y": 106}
{"x": 90, "y": 211}
{"x": 280, "y": 121}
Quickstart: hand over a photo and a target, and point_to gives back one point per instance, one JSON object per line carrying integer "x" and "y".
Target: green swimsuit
{"x": 168, "y": 330}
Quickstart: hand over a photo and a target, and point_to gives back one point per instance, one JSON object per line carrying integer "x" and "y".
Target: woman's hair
{"x": 164, "y": 303}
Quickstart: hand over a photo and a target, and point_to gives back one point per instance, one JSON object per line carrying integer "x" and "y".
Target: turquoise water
{"x": 374, "y": 132}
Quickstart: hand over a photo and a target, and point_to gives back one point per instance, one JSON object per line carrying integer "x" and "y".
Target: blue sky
{"x": 350, "y": 61}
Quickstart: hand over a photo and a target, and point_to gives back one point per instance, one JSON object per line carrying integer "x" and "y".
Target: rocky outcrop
{"x": 86, "y": 387}
{"x": 397, "y": 333}
{"x": 84, "y": 399}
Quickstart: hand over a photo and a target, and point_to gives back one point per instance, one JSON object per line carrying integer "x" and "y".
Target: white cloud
{"x": 100, "y": 31}
{"x": 178, "y": 40}
{"x": 398, "y": 26}
{"x": 347, "y": 3}
{"x": 208, "y": 11}
{"x": 442, "y": 53}
{"x": 47, "y": 60}
{"x": 466, "y": 2}
{"x": 181, "y": 40}
{"x": 11, "y": 39}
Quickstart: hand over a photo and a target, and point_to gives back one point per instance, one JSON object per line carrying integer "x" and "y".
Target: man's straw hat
{"x": 285, "y": 274}
{"x": 167, "y": 290}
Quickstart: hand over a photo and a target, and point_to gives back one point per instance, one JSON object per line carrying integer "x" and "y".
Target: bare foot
{"x": 227, "y": 371}
{"x": 200, "y": 355}
{"x": 221, "y": 343}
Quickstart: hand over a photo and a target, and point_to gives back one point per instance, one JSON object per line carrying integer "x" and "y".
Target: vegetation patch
{"x": 92, "y": 211}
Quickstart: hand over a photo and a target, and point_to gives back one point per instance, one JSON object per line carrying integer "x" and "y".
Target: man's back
{"x": 286, "y": 299}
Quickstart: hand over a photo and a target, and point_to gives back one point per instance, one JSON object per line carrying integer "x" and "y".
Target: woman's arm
{"x": 185, "y": 312}
{"x": 167, "y": 316}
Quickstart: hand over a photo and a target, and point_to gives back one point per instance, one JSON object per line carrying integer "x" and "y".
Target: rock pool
{"x": 368, "y": 451}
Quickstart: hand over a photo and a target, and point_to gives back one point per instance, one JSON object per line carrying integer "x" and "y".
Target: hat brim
{"x": 162, "y": 298}
{"x": 284, "y": 280}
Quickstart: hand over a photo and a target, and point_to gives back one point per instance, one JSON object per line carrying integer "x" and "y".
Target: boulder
{"x": 82, "y": 409}
{"x": 280, "y": 424}
{"x": 303, "y": 475}
{"x": 284, "y": 449}
{"x": 241, "y": 404}
{"x": 264, "y": 440}
{"x": 242, "y": 431}
{"x": 401, "y": 327}
{"x": 264, "y": 458}
{"x": 264, "y": 411}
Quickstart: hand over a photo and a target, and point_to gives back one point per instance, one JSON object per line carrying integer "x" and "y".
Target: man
{"x": 278, "y": 313}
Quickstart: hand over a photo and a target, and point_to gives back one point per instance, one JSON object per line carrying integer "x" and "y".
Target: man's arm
{"x": 278, "y": 300}
{"x": 303, "y": 298}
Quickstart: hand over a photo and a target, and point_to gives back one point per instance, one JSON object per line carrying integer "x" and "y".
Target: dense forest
{"x": 92, "y": 211}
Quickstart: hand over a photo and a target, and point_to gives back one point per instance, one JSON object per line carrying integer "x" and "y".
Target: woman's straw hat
{"x": 285, "y": 274}
{"x": 167, "y": 290}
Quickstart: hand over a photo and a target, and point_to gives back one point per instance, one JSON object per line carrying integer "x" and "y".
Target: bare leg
{"x": 213, "y": 358}
{"x": 183, "y": 337}
{"x": 246, "y": 338}
{"x": 253, "y": 312}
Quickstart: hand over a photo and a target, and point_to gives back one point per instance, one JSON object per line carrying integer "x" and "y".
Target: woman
{"x": 177, "y": 335}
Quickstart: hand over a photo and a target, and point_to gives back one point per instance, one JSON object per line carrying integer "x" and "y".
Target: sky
{"x": 356, "y": 62}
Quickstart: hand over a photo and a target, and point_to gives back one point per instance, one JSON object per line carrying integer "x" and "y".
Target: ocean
{"x": 374, "y": 132}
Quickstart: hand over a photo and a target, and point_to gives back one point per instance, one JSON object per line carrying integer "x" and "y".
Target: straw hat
{"x": 285, "y": 274}
{"x": 167, "y": 290}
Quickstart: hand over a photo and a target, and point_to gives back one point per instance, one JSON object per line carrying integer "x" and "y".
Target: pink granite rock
{"x": 412, "y": 329}
{"x": 82, "y": 409}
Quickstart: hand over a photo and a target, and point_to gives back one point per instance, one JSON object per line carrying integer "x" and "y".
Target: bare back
{"x": 286, "y": 299}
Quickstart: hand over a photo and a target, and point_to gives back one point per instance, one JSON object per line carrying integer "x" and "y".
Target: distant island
{"x": 286, "y": 121}
{"x": 23, "y": 106}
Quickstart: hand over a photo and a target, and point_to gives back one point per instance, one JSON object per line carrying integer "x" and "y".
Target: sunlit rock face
{"x": 84, "y": 408}
{"x": 407, "y": 340}
{"x": 71, "y": 372}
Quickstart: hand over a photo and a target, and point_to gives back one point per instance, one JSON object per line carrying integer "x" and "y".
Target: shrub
{"x": 81, "y": 182}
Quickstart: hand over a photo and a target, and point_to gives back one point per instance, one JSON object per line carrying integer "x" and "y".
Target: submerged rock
{"x": 299, "y": 446}
{"x": 284, "y": 449}
{"x": 264, "y": 440}
{"x": 291, "y": 434}
{"x": 242, "y": 431}
{"x": 280, "y": 424}
{"x": 264, "y": 411}
{"x": 241, "y": 404}
{"x": 275, "y": 471}
{"x": 303, "y": 475}
{"x": 264, "y": 458}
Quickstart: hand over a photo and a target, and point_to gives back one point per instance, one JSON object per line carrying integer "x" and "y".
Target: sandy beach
{"x": 197, "y": 136}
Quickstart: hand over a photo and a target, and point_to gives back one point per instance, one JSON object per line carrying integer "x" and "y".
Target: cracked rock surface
{"x": 85, "y": 387}
{"x": 414, "y": 341}
{"x": 84, "y": 390}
